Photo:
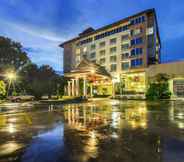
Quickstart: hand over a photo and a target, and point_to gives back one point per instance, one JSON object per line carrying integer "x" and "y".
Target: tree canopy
{"x": 11, "y": 54}
{"x": 39, "y": 81}
{"x": 31, "y": 79}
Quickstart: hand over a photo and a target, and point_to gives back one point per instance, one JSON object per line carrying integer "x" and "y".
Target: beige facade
{"x": 175, "y": 71}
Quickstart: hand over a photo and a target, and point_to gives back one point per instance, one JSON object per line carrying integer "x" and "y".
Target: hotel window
{"x": 102, "y": 53}
{"x": 78, "y": 51}
{"x": 84, "y": 56}
{"x": 113, "y": 41}
{"x": 92, "y": 55}
{"x": 111, "y": 32}
{"x": 113, "y": 50}
{"x": 102, "y": 60}
{"x": 124, "y": 46}
{"x": 124, "y": 65}
{"x": 112, "y": 58}
{"x": 124, "y": 56}
{"x": 86, "y": 41}
{"x": 136, "y": 63}
{"x": 136, "y": 52}
{"x": 85, "y": 49}
{"x": 136, "y": 41}
{"x": 113, "y": 67}
{"x": 124, "y": 37}
{"x": 135, "y": 32}
{"x": 102, "y": 44}
{"x": 94, "y": 61}
{"x": 93, "y": 46}
{"x": 137, "y": 20}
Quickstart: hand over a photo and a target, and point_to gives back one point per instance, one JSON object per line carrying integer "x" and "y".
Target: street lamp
{"x": 11, "y": 76}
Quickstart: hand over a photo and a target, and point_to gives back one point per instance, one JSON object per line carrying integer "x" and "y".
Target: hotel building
{"x": 116, "y": 55}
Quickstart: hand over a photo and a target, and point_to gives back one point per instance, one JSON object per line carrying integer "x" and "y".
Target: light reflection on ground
{"x": 100, "y": 131}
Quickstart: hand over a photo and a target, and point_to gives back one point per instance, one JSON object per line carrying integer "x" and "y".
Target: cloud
{"x": 42, "y": 25}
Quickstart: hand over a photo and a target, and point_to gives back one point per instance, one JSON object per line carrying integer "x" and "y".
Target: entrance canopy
{"x": 89, "y": 70}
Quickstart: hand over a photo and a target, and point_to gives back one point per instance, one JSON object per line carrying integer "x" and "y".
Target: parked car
{"x": 21, "y": 98}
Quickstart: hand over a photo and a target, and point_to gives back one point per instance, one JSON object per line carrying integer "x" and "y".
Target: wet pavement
{"x": 96, "y": 131}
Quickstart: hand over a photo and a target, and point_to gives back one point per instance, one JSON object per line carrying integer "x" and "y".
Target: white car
{"x": 21, "y": 98}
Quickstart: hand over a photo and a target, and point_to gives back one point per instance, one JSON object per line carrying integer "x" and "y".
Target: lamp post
{"x": 11, "y": 77}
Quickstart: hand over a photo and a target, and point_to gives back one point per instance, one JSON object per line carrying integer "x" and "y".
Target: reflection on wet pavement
{"x": 100, "y": 131}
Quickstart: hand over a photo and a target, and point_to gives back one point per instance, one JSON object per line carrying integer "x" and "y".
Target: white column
{"x": 113, "y": 89}
{"x": 73, "y": 87}
{"x": 77, "y": 87}
{"x": 65, "y": 90}
{"x": 84, "y": 87}
{"x": 69, "y": 89}
{"x": 91, "y": 89}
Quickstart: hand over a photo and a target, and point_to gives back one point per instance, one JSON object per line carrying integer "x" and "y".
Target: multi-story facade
{"x": 125, "y": 49}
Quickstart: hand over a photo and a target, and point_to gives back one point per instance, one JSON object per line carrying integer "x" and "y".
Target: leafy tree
{"x": 11, "y": 55}
{"x": 42, "y": 81}
{"x": 2, "y": 89}
{"x": 159, "y": 88}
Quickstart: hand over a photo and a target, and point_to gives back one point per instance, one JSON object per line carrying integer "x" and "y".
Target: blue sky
{"x": 41, "y": 25}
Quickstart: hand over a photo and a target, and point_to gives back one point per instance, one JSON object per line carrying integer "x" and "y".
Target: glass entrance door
{"x": 178, "y": 87}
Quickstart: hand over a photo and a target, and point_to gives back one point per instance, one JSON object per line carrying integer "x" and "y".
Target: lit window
{"x": 102, "y": 53}
{"x": 85, "y": 49}
{"x": 125, "y": 65}
{"x": 113, "y": 41}
{"x": 102, "y": 60}
{"x": 136, "y": 31}
{"x": 112, "y": 58}
{"x": 102, "y": 44}
{"x": 78, "y": 51}
{"x": 113, "y": 50}
{"x": 124, "y": 56}
{"x": 124, "y": 46}
{"x": 124, "y": 37}
{"x": 93, "y": 55}
{"x": 113, "y": 67}
{"x": 93, "y": 46}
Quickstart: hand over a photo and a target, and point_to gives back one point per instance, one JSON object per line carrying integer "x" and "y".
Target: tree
{"x": 42, "y": 81}
{"x": 2, "y": 89}
{"x": 159, "y": 88}
{"x": 11, "y": 55}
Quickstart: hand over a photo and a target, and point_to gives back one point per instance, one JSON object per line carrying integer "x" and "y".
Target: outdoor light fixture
{"x": 92, "y": 71}
{"x": 11, "y": 76}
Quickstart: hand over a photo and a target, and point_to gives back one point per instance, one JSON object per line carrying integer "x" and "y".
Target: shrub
{"x": 2, "y": 90}
{"x": 159, "y": 89}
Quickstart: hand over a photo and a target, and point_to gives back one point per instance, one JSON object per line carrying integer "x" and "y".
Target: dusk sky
{"x": 41, "y": 25}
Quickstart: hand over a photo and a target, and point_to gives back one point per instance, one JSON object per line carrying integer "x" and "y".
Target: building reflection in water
{"x": 96, "y": 126}
{"x": 117, "y": 131}
{"x": 137, "y": 117}
{"x": 176, "y": 115}
{"x": 85, "y": 119}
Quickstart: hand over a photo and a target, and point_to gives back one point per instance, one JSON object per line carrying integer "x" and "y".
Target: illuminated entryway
{"x": 86, "y": 79}
{"x": 178, "y": 87}
{"x": 134, "y": 82}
